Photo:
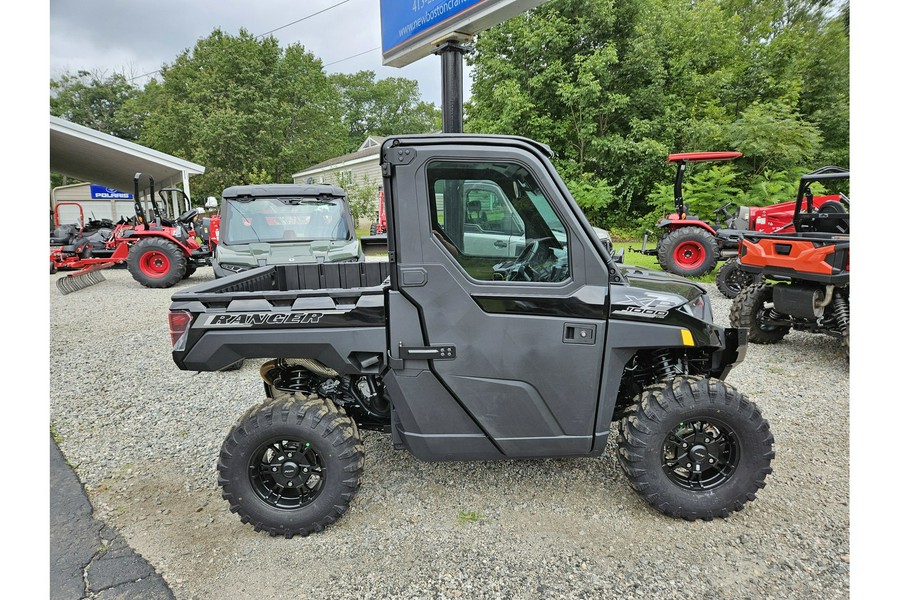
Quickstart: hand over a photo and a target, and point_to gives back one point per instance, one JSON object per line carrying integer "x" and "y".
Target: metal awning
{"x": 103, "y": 159}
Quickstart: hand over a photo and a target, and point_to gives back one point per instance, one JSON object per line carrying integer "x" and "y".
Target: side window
{"x": 496, "y": 222}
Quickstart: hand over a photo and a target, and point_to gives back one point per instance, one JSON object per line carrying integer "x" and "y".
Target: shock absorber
{"x": 664, "y": 365}
{"x": 841, "y": 308}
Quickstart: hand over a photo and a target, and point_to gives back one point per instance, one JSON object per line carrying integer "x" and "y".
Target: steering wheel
{"x": 188, "y": 216}
{"x": 535, "y": 250}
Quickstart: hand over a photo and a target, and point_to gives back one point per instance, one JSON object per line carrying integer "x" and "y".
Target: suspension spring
{"x": 664, "y": 365}
{"x": 841, "y": 308}
{"x": 295, "y": 379}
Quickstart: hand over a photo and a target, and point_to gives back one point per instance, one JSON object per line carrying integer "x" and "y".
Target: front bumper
{"x": 731, "y": 353}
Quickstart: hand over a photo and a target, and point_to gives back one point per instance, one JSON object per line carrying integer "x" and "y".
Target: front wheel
{"x": 696, "y": 448}
{"x": 753, "y": 308}
{"x": 291, "y": 466}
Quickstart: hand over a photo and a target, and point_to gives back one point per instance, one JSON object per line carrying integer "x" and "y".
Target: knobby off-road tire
{"x": 189, "y": 270}
{"x": 731, "y": 280}
{"x": 689, "y": 252}
{"x": 262, "y": 461}
{"x": 156, "y": 263}
{"x": 696, "y": 448}
{"x": 748, "y": 310}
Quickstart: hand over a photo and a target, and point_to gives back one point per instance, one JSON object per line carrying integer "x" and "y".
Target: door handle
{"x": 578, "y": 333}
{"x": 500, "y": 244}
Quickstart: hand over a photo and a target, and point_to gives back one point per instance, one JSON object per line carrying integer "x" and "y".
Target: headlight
{"x": 699, "y": 308}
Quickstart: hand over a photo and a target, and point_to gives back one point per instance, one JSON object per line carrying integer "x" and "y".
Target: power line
{"x": 303, "y": 19}
{"x": 326, "y": 9}
{"x": 354, "y": 56}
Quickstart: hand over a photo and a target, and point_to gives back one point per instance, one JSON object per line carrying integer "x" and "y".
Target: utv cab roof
{"x": 271, "y": 190}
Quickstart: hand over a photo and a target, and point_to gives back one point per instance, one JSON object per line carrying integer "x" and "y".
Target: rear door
{"x": 516, "y": 341}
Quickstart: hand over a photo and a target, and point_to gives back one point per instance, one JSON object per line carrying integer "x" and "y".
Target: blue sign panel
{"x": 413, "y": 29}
{"x": 402, "y": 20}
{"x": 98, "y": 192}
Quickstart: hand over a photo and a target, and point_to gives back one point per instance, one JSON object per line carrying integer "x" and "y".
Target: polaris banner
{"x": 98, "y": 192}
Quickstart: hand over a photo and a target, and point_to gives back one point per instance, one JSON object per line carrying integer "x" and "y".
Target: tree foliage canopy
{"x": 614, "y": 86}
{"x": 95, "y": 100}
{"x": 243, "y": 106}
{"x": 246, "y": 109}
{"x": 383, "y": 107}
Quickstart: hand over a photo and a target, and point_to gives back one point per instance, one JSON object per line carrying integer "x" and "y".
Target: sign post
{"x": 451, "y": 53}
{"x": 413, "y": 29}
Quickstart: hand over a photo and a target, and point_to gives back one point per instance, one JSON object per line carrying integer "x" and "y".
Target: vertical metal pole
{"x": 451, "y": 85}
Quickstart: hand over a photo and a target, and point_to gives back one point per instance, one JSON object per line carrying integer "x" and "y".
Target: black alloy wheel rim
{"x": 287, "y": 473}
{"x": 737, "y": 281}
{"x": 700, "y": 455}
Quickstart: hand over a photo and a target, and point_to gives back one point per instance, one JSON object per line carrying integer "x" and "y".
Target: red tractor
{"x": 158, "y": 252}
{"x": 691, "y": 247}
{"x": 378, "y": 230}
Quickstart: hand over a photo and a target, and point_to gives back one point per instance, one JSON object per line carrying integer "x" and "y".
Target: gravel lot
{"x": 144, "y": 438}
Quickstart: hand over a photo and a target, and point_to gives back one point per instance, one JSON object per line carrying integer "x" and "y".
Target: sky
{"x": 137, "y": 38}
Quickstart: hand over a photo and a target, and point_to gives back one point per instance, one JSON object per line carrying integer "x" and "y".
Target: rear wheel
{"x": 753, "y": 308}
{"x": 157, "y": 263}
{"x": 291, "y": 466}
{"x": 689, "y": 252}
{"x": 731, "y": 279}
{"x": 696, "y": 448}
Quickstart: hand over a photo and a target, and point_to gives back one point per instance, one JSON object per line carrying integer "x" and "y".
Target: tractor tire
{"x": 190, "y": 270}
{"x": 53, "y": 268}
{"x": 696, "y": 448}
{"x": 731, "y": 280}
{"x": 689, "y": 252}
{"x": 748, "y": 310}
{"x": 280, "y": 493}
{"x": 156, "y": 263}
{"x": 373, "y": 229}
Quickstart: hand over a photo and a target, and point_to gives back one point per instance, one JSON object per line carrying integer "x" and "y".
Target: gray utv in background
{"x": 284, "y": 224}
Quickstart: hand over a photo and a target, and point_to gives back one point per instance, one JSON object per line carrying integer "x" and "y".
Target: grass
{"x": 465, "y": 517}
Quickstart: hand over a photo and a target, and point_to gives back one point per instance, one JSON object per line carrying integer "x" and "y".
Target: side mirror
{"x": 211, "y": 202}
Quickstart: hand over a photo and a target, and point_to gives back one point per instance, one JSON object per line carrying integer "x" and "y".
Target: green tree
{"x": 95, "y": 100}
{"x": 242, "y": 106}
{"x": 384, "y": 107}
{"x": 361, "y": 196}
{"x": 613, "y": 86}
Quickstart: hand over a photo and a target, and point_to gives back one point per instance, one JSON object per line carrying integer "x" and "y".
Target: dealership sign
{"x": 411, "y": 29}
{"x": 98, "y": 192}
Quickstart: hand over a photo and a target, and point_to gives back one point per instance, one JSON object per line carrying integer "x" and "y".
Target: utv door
{"x": 494, "y": 356}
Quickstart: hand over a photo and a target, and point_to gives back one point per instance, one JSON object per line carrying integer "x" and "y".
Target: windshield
{"x": 283, "y": 220}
